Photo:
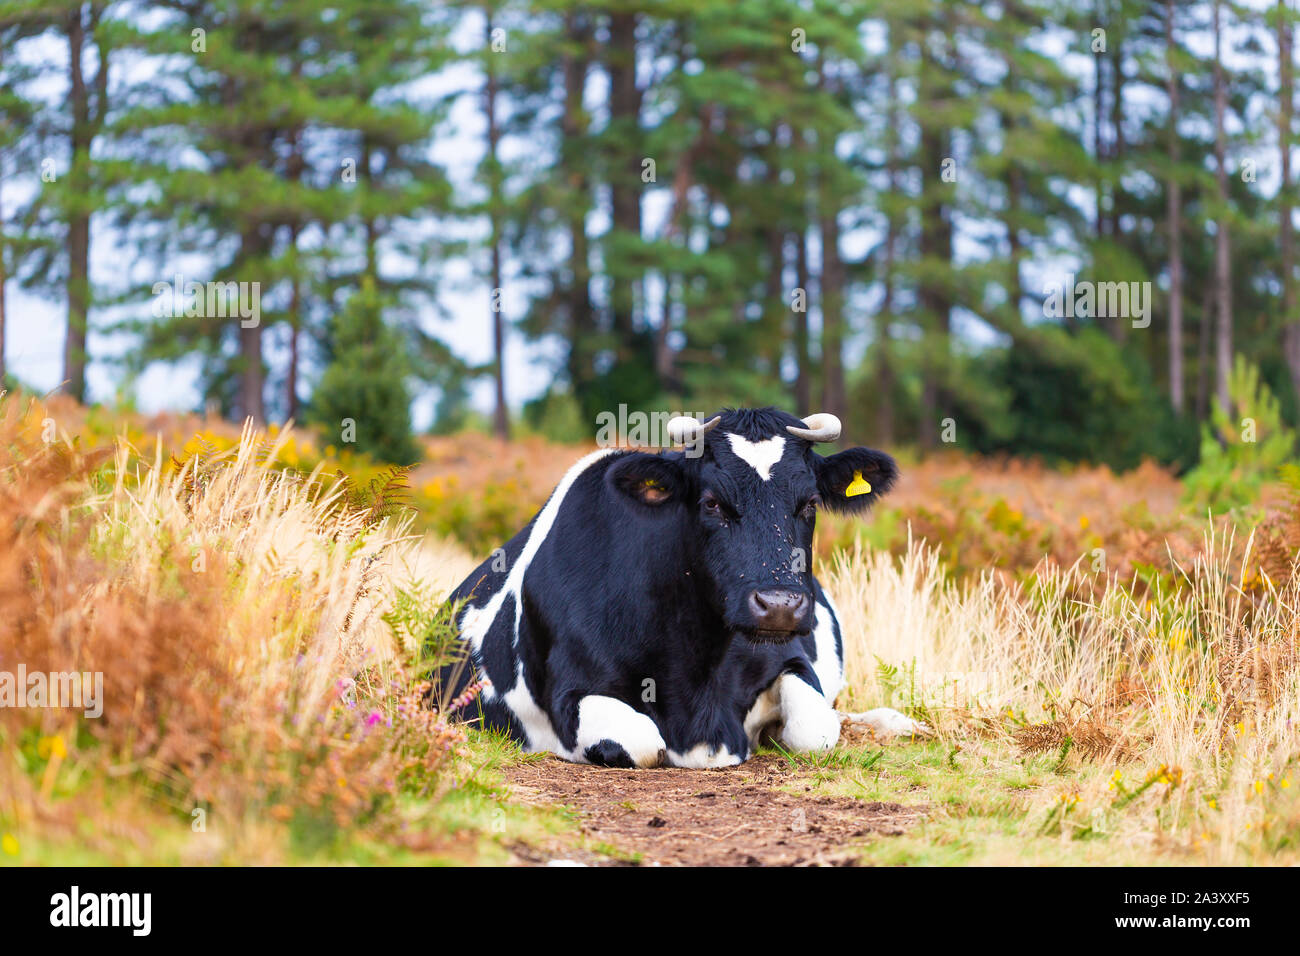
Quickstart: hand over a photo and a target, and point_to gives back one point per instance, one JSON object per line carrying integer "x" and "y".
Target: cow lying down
{"x": 660, "y": 608}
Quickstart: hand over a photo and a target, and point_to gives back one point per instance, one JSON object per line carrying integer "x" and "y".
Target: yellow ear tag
{"x": 858, "y": 486}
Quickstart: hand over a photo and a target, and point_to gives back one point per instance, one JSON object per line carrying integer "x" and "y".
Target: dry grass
{"x": 1196, "y": 686}
{"x": 236, "y": 612}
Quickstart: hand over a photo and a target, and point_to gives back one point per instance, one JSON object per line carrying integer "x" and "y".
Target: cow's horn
{"x": 685, "y": 429}
{"x": 820, "y": 427}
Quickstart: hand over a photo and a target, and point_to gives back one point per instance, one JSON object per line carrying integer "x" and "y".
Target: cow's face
{"x": 747, "y": 507}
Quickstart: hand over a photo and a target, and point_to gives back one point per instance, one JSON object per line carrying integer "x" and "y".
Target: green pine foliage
{"x": 855, "y": 207}
{"x": 1241, "y": 448}
{"x": 363, "y": 395}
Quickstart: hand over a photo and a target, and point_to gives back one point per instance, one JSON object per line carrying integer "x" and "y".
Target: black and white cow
{"x": 660, "y": 608}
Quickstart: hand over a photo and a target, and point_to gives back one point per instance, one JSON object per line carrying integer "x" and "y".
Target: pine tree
{"x": 362, "y": 396}
{"x": 55, "y": 251}
{"x": 313, "y": 173}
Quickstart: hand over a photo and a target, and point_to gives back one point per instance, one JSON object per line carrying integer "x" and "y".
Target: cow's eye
{"x": 711, "y": 504}
{"x": 809, "y": 509}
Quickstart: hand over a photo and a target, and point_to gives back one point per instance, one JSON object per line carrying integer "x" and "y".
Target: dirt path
{"x": 732, "y": 817}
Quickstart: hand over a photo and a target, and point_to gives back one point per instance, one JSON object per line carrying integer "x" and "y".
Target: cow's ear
{"x": 653, "y": 480}
{"x": 852, "y": 480}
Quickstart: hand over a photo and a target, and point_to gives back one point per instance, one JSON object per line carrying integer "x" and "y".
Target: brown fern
{"x": 1091, "y": 738}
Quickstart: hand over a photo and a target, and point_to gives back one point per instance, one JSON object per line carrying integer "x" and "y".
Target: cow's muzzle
{"x": 778, "y": 614}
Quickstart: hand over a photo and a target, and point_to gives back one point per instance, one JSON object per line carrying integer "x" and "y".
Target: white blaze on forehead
{"x": 761, "y": 455}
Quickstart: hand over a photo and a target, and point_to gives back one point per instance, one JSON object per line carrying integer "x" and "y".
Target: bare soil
{"x": 736, "y": 816}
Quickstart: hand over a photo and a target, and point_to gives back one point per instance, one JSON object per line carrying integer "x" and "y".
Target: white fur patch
{"x": 536, "y": 724}
{"x": 808, "y": 721}
{"x": 703, "y": 757}
{"x": 828, "y": 667}
{"x": 761, "y": 455}
{"x": 607, "y": 718}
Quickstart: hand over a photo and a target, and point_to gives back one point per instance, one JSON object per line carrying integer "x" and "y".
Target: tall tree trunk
{"x": 1204, "y": 334}
{"x": 934, "y": 293}
{"x": 1116, "y": 131}
{"x": 573, "y": 125}
{"x": 884, "y": 397}
{"x": 831, "y": 284}
{"x": 625, "y": 185}
{"x": 1119, "y": 324}
{"x": 801, "y": 337}
{"x": 295, "y": 333}
{"x": 251, "y": 375}
{"x": 1286, "y": 93}
{"x": 1098, "y": 137}
{"x": 1175, "y": 222}
{"x": 1015, "y": 245}
{"x": 1222, "y": 264}
{"x": 78, "y": 281}
{"x": 250, "y": 383}
{"x": 803, "y": 383}
{"x": 776, "y": 315}
{"x": 294, "y": 169}
{"x": 500, "y": 413}
{"x": 665, "y": 358}
{"x": 1014, "y": 182}
{"x": 368, "y": 221}
{"x": 665, "y": 361}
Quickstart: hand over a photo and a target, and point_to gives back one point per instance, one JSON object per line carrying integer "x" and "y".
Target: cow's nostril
{"x": 777, "y": 609}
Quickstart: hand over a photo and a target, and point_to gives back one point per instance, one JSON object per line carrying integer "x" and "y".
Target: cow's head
{"x": 745, "y": 499}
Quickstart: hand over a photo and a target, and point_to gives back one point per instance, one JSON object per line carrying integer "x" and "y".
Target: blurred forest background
{"x": 859, "y": 207}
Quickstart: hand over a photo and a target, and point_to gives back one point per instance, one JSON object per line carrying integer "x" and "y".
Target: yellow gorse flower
{"x": 48, "y": 747}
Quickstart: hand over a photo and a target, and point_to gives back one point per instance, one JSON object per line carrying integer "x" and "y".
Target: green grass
{"x": 474, "y": 821}
{"x": 984, "y": 806}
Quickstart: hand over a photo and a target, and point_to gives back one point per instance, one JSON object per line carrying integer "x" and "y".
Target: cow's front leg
{"x": 612, "y": 734}
{"x": 808, "y": 721}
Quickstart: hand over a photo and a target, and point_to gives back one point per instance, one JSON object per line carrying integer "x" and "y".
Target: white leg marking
{"x": 808, "y": 721}
{"x": 703, "y": 757}
{"x": 828, "y": 667}
{"x": 761, "y": 455}
{"x": 536, "y": 724}
{"x": 606, "y": 718}
{"x": 765, "y": 712}
{"x": 890, "y": 723}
